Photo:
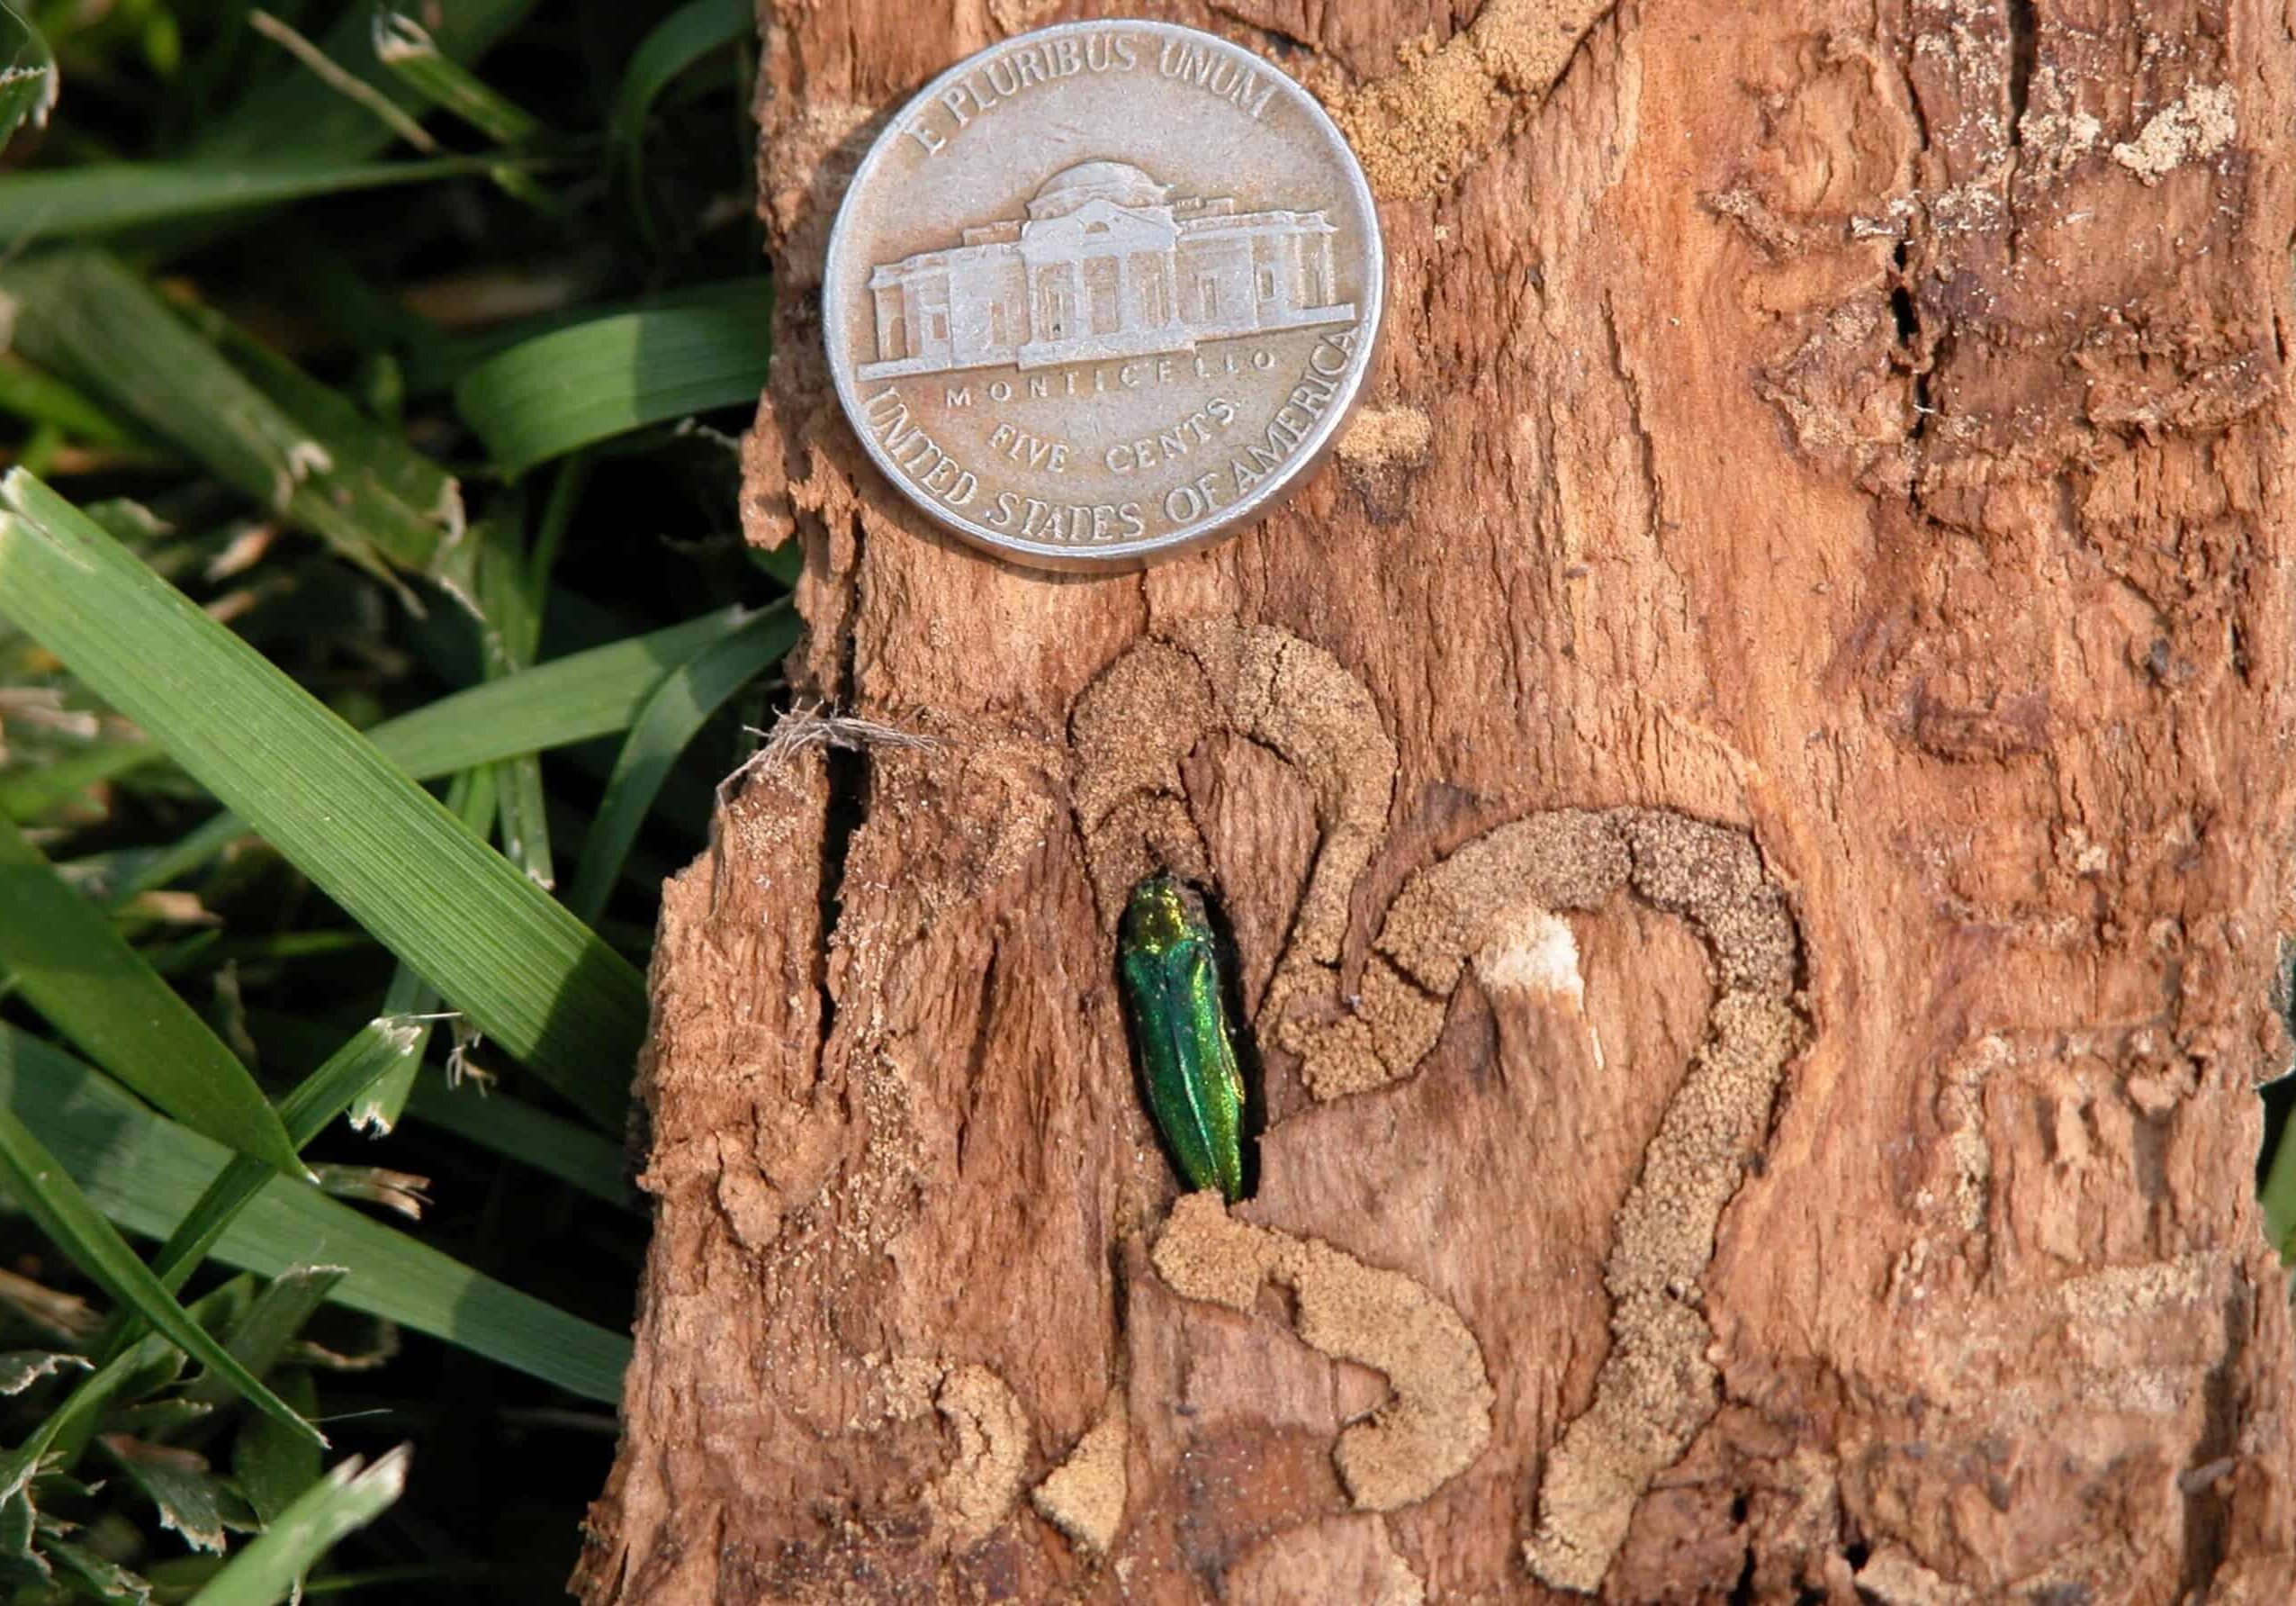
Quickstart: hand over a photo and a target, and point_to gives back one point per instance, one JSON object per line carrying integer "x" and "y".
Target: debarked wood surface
{"x": 1753, "y": 798}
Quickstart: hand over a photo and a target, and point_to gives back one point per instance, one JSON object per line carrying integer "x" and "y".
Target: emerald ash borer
{"x": 1168, "y": 958}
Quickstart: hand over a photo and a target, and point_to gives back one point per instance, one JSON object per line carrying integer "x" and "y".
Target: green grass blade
{"x": 496, "y": 946}
{"x": 510, "y": 623}
{"x": 573, "y": 386}
{"x": 75, "y": 968}
{"x": 2279, "y": 1195}
{"x": 687, "y": 696}
{"x": 298, "y": 110}
{"x": 203, "y": 843}
{"x": 263, "y": 427}
{"x": 187, "y": 1497}
{"x": 145, "y": 1172}
{"x": 273, "y": 1467}
{"x": 378, "y": 483}
{"x": 27, "y": 796}
{"x": 21, "y": 1368}
{"x": 569, "y": 699}
{"x": 566, "y": 488}
{"x": 372, "y": 1053}
{"x": 375, "y": 1052}
{"x": 345, "y": 1501}
{"x": 54, "y": 1201}
{"x": 439, "y": 368}
{"x": 261, "y": 1336}
{"x": 104, "y": 1579}
{"x": 141, "y": 1369}
{"x": 575, "y": 698}
{"x": 531, "y": 1136}
{"x": 103, "y": 198}
{"x": 677, "y": 41}
{"x": 27, "y": 75}
{"x": 407, "y": 48}
{"x": 525, "y": 822}
{"x": 85, "y": 316}
{"x": 376, "y": 1109}
{"x": 27, "y": 393}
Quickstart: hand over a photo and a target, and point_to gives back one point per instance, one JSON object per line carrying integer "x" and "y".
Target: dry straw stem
{"x": 342, "y": 83}
{"x": 810, "y": 727}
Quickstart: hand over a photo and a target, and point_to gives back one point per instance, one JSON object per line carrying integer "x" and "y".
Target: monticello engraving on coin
{"x": 1103, "y": 292}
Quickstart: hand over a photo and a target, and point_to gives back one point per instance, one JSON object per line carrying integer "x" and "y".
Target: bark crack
{"x": 1632, "y": 387}
{"x": 847, "y": 809}
{"x": 2208, "y": 1512}
{"x": 977, "y": 1052}
{"x": 2024, "y": 51}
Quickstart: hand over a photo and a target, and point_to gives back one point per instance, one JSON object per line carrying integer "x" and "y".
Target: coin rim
{"x": 1139, "y": 554}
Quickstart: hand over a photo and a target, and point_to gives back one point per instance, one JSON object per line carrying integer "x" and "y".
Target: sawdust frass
{"x": 1084, "y": 1496}
{"x": 1130, "y": 731}
{"x": 1421, "y": 126}
{"x": 984, "y": 1479}
{"x": 1438, "y": 1419}
{"x": 1658, "y": 1386}
{"x": 1133, "y": 726}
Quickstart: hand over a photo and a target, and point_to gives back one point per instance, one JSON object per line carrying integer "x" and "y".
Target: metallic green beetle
{"x": 1195, "y": 1091}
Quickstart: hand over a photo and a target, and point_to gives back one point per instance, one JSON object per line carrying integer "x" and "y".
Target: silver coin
{"x": 1103, "y": 292}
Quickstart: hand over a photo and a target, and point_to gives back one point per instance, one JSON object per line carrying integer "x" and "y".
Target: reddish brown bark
{"x": 1753, "y": 799}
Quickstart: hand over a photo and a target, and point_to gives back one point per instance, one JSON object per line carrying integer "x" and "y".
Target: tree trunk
{"x": 1753, "y": 798}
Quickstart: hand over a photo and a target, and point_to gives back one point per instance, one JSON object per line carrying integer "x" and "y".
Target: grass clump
{"x": 373, "y": 624}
